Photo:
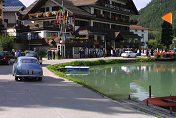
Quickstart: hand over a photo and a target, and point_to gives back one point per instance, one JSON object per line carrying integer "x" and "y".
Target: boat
{"x": 79, "y": 68}
{"x": 165, "y": 102}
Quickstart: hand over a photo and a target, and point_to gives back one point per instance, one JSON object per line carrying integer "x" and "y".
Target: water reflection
{"x": 121, "y": 80}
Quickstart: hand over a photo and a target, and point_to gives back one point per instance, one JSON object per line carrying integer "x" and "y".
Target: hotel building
{"x": 92, "y": 25}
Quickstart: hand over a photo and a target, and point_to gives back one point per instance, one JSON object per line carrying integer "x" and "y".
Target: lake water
{"x": 121, "y": 80}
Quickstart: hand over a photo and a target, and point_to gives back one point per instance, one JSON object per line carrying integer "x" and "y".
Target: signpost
{"x": 29, "y": 39}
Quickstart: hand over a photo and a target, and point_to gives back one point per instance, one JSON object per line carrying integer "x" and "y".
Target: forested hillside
{"x": 150, "y": 16}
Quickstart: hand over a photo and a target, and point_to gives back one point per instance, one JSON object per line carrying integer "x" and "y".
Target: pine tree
{"x": 167, "y": 34}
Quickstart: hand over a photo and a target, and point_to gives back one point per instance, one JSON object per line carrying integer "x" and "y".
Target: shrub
{"x": 157, "y": 55}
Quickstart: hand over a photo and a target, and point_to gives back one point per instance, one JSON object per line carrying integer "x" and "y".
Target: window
{"x": 29, "y": 61}
{"x": 46, "y": 24}
{"x": 81, "y": 23}
{"x": 97, "y": 12}
{"x": 42, "y": 10}
{"x": 47, "y": 9}
{"x": 6, "y": 20}
{"x": 115, "y": 27}
{"x": 51, "y": 34}
{"x": 56, "y": 8}
{"x": 101, "y": 25}
{"x": 106, "y": 14}
{"x": 34, "y": 35}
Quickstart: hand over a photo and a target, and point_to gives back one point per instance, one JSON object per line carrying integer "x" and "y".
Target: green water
{"x": 121, "y": 80}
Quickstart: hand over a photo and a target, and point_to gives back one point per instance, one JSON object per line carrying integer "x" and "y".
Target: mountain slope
{"x": 13, "y": 3}
{"x": 150, "y": 16}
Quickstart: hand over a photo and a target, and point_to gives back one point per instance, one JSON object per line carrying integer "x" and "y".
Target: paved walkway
{"x": 56, "y": 61}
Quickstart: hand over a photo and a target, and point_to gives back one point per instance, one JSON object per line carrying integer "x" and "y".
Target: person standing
{"x": 54, "y": 54}
{"x": 48, "y": 53}
{"x": 51, "y": 54}
{"x": 112, "y": 52}
{"x": 58, "y": 54}
{"x": 19, "y": 53}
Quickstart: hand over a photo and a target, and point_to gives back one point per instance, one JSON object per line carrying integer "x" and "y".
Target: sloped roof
{"x": 134, "y": 27}
{"x": 91, "y": 2}
{"x": 67, "y": 4}
{"x": 83, "y": 2}
{"x": 12, "y": 8}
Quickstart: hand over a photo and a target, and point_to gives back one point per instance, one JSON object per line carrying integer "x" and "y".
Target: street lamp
{"x": 29, "y": 39}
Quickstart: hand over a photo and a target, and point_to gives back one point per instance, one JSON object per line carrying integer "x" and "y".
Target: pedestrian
{"x": 151, "y": 52}
{"x": 138, "y": 52}
{"x": 112, "y": 52}
{"x": 48, "y": 53}
{"x": 19, "y": 53}
{"x": 54, "y": 54}
{"x": 58, "y": 54}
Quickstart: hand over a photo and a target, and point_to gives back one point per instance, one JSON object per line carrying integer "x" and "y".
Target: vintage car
{"x": 27, "y": 67}
{"x": 128, "y": 54}
{"x": 34, "y": 54}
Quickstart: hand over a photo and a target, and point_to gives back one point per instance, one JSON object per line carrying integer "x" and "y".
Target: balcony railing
{"x": 42, "y": 14}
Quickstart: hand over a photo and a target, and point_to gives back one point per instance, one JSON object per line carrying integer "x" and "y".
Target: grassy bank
{"x": 53, "y": 68}
{"x": 104, "y": 62}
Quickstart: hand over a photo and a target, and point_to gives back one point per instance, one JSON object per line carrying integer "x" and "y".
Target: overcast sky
{"x": 139, "y": 3}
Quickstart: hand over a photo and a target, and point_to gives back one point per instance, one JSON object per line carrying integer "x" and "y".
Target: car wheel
{"x": 40, "y": 79}
{"x": 128, "y": 56}
{"x": 16, "y": 78}
{"x": 135, "y": 56}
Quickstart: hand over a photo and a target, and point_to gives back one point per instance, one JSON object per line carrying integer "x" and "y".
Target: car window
{"x": 31, "y": 55}
{"x": 29, "y": 61}
{"x": 2, "y": 54}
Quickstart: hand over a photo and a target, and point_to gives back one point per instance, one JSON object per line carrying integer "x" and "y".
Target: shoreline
{"x": 137, "y": 105}
{"x": 54, "y": 69}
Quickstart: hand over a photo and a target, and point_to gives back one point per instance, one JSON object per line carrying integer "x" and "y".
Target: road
{"x": 55, "y": 97}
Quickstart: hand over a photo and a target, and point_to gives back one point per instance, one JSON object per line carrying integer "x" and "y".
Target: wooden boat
{"x": 165, "y": 102}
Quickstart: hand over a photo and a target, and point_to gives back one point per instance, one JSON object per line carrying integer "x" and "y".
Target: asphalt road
{"x": 55, "y": 98}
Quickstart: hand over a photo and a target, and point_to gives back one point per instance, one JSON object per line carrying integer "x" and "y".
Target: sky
{"x": 139, "y": 3}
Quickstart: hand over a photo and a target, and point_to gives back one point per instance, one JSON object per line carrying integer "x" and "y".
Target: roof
{"x": 67, "y": 5}
{"x": 83, "y": 2}
{"x": 12, "y": 8}
{"x": 130, "y": 3}
{"x": 134, "y": 27}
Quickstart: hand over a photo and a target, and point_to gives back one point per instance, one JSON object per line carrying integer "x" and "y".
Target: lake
{"x": 121, "y": 80}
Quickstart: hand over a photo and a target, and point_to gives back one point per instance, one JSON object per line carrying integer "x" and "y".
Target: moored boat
{"x": 165, "y": 102}
{"x": 80, "y": 68}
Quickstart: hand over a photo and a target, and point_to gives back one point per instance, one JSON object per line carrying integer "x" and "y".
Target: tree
{"x": 167, "y": 34}
{"x": 6, "y": 42}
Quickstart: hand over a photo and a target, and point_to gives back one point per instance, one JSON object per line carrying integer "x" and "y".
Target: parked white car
{"x": 128, "y": 54}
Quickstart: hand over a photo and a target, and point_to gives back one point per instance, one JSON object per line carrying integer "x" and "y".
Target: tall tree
{"x": 6, "y": 42}
{"x": 167, "y": 34}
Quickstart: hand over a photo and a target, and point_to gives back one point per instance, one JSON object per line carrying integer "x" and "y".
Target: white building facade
{"x": 142, "y": 32}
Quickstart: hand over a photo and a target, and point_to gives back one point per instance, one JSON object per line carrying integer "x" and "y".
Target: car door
{"x": 14, "y": 66}
{"x": 130, "y": 54}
